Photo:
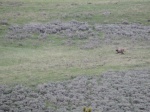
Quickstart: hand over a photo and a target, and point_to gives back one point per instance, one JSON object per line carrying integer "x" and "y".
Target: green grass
{"x": 24, "y": 11}
{"x": 33, "y": 61}
{"x": 52, "y": 63}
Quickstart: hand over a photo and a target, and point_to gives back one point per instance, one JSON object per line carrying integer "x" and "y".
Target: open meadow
{"x": 53, "y": 46}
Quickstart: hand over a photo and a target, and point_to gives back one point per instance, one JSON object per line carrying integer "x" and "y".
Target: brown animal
{"x": 121, "y": 51}
{"x": 85, "y": 109}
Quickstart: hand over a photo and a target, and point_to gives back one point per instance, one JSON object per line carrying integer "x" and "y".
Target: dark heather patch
{"x": 81, "y": 30}
{"x": 72, "y": 29}
{"x": 111, "y": 92}
{"x": 133, "y": 31}
{"x": 4, "y": 22}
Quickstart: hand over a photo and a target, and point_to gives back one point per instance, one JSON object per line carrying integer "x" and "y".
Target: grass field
{"x": 33, "y": 61}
